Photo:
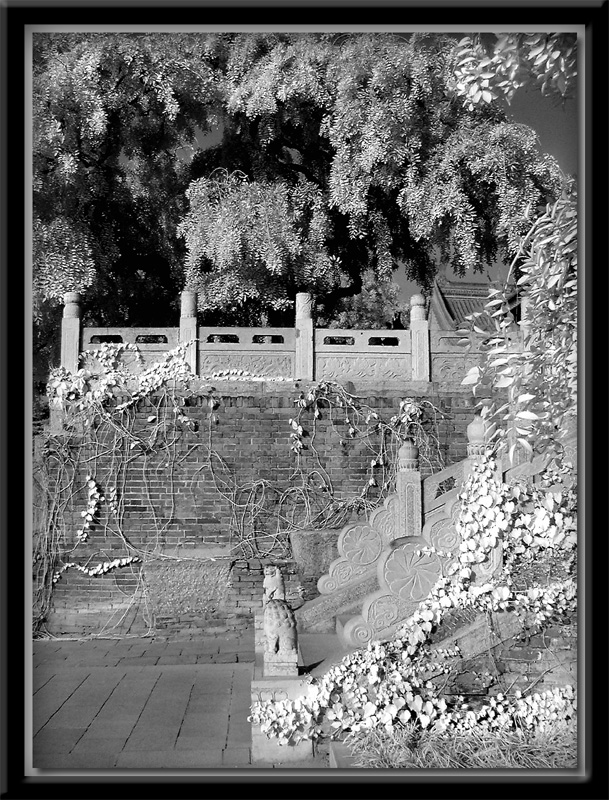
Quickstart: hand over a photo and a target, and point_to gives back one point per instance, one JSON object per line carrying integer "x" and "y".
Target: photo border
{"x": 16, "y": 18}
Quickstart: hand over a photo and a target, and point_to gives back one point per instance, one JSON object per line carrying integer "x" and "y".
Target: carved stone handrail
{"x": 432, "y": 495}
{"x": 361, "y": 544}
{"x": 373, "y": 357}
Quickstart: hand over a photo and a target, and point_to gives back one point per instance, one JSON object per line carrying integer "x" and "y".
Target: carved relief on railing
{"x": 432, "y": 484}
{"x": 357, "y": 631}
{"x": 273, "y": 366}
{"x": 452, "y": 367}
{"x": 406, "y": 575}
{"x": 364, "y": 367}
{"x": 409, "y": 507}
{"x": 380, "y": 612}
{"x": 152, "y": 344}
{"x": 360, "y": 545}
{"x": 386, "y": 519}
{"x": 340, "y": 573}
{"x": 441, "y": 529}
{"x": 410, "y": 573}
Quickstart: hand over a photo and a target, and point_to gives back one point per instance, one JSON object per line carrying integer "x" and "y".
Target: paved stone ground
{"x": 140, "y": 703}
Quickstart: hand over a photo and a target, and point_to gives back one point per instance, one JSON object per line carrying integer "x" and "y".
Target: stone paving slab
{"x": 141, "y": 704}
{"x": 144, "y": 703}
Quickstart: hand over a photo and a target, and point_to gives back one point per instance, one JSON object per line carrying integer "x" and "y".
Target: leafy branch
{"x": 539, "y": 376}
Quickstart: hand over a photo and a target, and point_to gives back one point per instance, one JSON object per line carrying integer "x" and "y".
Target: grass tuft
{"x": 409, "y": 748}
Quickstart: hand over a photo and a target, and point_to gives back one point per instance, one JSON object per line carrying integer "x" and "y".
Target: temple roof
{"x": 452, "y": 301}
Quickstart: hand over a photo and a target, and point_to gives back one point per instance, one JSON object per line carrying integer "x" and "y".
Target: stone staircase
{"x": 378, "y": 580}
{"x": 382, "y": 572}
{"x": 381, "y": 575}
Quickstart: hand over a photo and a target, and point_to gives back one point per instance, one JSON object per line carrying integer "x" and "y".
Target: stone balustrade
{"x": 389, "y": 564}
{"x": 380, "y": 358}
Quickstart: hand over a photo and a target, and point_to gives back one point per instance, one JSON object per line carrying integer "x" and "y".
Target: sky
{"x": 556, "y": 125}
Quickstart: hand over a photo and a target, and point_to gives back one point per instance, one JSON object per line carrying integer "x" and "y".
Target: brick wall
{"x": 543, "y": 660}
{"x": 181, "y": 508}
{"x": 167, "y": 597}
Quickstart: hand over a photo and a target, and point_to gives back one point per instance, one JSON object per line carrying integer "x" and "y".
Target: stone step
{"x": 320, "y": 651}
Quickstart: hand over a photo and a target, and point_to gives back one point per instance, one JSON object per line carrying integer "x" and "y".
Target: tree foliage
{"x": 540, "y": 378}
{"x": 403, "y": 170}
{"x": 110, "y": 112}
{"x": 339, "y": 157}
{"x": 488, "y": 70}
{"x": 265, "y": 241}
{"x": 378, "y": 305}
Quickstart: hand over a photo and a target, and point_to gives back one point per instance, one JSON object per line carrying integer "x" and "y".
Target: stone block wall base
{"x": 277, "y": 688}
{"x": 340, "y": 756}
{"x": 270, "y": 751}
{"x": 280, "y": 663}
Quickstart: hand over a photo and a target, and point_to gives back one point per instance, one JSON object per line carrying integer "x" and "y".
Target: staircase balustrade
{"x": 402, "y": 549}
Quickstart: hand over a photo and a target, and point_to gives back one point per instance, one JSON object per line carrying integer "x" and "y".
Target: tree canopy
{"x": 339, "y": 157}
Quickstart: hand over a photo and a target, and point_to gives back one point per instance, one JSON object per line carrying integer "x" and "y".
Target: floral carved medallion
{"x": 410, "y": 574}
{"x": 361, "y": 544}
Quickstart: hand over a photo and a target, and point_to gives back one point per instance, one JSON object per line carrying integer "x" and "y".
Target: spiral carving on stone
{"x": 357, "y": 631}
{"x": 327, "y": 584}
{"x": 343, "y": 572}
{"x": 411, "y": 576}
{"x": 444, "y": 534}
{"x": 384, "y": 524}
{"x": 382, "y": 612}
{"x": 361, "y": 544}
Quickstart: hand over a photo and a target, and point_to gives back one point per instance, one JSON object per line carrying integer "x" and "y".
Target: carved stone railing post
{"x": 476, "y": 443}
{"x": 419, "y": 333}
{"x": 304, "y": 362}
{"x": 408, "y": 489}
{"x": 188, "y": 326}
{"x": 70, "y": 331}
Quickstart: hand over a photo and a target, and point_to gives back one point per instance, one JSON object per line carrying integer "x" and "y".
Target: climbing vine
{"x": 353, "y": 421}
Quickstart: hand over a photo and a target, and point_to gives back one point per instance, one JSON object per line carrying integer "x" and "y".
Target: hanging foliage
{"x": 539, "y": 378}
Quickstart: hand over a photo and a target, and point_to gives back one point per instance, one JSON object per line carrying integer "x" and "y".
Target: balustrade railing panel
{"x": 362, "y": 355}
{"x": 450, "y": 361}
{"x": 152, "y": 343}
{"x": 381, "y": 357}
{"x": 263, "y": 351}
